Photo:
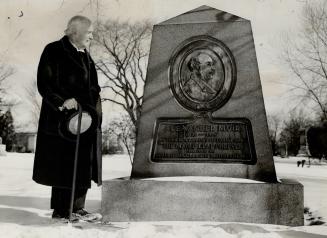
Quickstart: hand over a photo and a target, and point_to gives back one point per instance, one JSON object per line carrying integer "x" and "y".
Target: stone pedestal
{"x": 150, "y": 200}
{"x": 2, "y": 150}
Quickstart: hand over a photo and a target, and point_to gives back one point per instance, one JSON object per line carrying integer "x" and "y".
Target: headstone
{"x": 203, "y": 115}
{"x": 303, "y": 151}
{"x": 204, "y": 100}
{"x": 2, "y": 148}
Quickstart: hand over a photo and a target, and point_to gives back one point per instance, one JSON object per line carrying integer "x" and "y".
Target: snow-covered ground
{"x": 314, "y": 179}
{"x": 24, "y": 206}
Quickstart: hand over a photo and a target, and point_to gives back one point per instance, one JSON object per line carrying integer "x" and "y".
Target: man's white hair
{"x": 75, "y": 23}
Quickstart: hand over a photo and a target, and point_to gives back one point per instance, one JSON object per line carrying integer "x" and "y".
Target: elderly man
{"x": 67, "y": 78}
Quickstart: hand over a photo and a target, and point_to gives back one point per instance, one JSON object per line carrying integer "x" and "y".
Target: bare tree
{"x": 274, "y": 127}
{"x": 307, "y": 57}
{"x": 274, "y": 121}
{"x": 34, "y": 101}
{"x": 121, "y": 51}
{"x": 110, "y": 140}
{"x": 5, "y": 72}
{"x": 124, "y": 129}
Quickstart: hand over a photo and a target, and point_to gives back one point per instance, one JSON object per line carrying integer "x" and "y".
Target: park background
{"x": 279, "y": 27}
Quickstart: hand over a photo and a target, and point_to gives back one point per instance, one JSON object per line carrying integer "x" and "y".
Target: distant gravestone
{"x": 303, "y": 151}
{"x": 203, "y": 115}
{"x": 2, "y": 148}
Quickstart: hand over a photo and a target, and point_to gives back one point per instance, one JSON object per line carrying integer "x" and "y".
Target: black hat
{"x": 69, "y": 122}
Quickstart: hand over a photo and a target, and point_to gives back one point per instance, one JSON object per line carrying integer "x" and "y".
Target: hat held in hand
{"x": 68, "y": 125}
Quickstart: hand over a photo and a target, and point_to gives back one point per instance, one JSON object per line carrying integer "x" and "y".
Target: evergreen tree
{"x": 7, "y": 131}
{"x": 317, "y": 140}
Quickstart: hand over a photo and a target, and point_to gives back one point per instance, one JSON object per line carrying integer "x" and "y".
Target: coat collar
{"x": 73, "y": 53}
{"x": 78, "y": 50}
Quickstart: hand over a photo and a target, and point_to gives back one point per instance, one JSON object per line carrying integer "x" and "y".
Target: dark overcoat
{"x": 63, "y": 75}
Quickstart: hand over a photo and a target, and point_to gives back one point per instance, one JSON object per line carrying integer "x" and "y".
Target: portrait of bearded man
{"x": 204, "y": 77}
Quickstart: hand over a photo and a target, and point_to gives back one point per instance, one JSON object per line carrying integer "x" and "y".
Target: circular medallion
{"x": 202, "y": 74}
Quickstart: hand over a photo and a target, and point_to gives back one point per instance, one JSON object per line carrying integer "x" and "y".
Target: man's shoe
{"x": 60, "y": 214}
{"x": 64, "y": 216}
{"x": 81, "y": 212}
{"x": 84, "y": 215}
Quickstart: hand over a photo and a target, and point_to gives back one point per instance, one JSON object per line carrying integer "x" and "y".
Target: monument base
{"x": 151, "y": 200}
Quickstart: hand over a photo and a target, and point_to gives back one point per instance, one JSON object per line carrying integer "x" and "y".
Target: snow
{"x": 288, "y": 168}
{"x": 141, "y": 230}
{"x": 24, "y": 205}
{"x": 203, "y": 179}
{"x": 313, "y": 178}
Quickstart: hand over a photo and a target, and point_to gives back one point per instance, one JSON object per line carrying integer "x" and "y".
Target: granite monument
{"x": 203, "y": 115}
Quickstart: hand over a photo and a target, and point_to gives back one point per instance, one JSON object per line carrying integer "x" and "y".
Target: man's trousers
{"x": 60, "y": 199}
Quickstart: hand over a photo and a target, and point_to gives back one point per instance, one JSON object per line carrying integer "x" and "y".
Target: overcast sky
{"x": 23, "y": 38}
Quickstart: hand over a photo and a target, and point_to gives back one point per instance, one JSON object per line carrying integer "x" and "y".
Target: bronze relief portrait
{"x": 202, "y": 74}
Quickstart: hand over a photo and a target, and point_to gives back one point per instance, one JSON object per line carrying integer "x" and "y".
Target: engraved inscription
{"x": 203, "y": 140}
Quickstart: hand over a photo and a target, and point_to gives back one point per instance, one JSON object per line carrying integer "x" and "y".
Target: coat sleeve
{"x": 95, "y": 88}
{"x": 47, "y": 79}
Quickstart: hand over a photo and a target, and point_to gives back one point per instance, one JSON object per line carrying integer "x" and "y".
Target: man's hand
{"x": 69, "y": 104}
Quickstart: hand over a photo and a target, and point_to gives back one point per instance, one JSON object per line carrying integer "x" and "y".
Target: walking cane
{"x": 75, "y": 161}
